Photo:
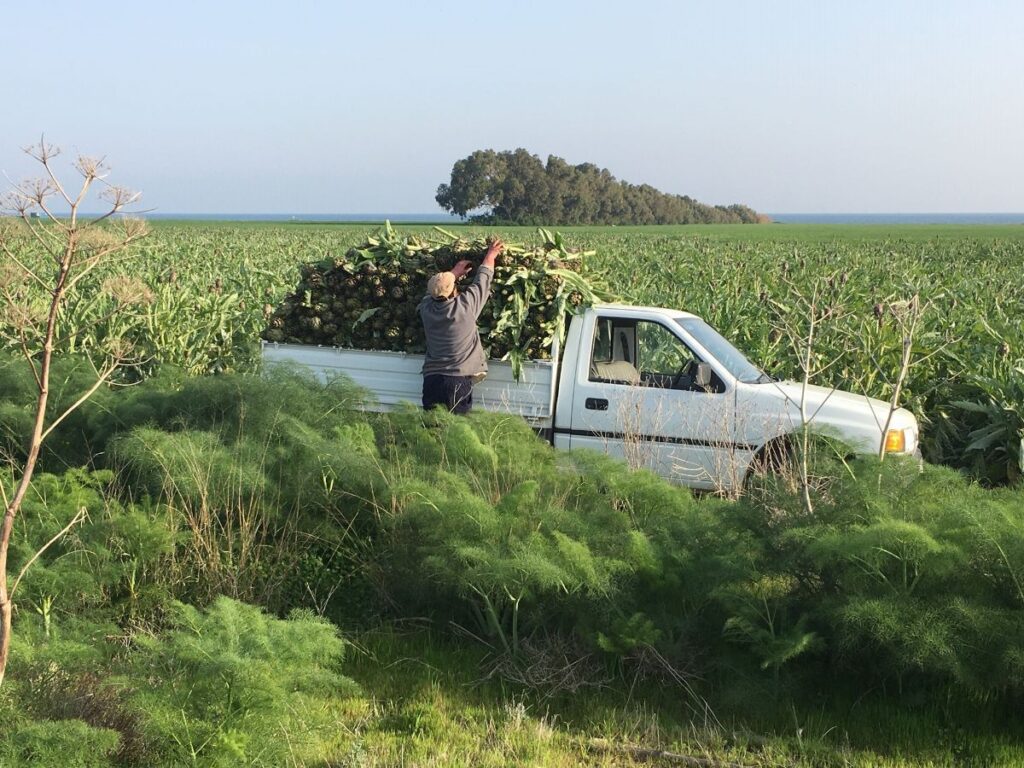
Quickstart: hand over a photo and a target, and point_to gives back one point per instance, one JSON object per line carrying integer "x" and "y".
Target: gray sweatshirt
{"x": 453, "y": 342}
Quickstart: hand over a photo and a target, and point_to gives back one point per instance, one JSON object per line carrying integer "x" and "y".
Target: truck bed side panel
{"x": 394, "y": 377}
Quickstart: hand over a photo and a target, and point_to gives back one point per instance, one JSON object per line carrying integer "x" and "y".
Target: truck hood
{"x": 856, "y": 418}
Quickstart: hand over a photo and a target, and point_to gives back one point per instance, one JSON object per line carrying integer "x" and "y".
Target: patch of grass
{"x": 428, "y": 703}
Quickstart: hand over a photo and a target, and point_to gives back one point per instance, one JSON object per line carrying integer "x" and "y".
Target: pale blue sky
{"x": 325, "y": 107}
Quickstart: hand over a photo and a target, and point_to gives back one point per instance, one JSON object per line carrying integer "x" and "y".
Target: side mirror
{"x": 702, "y": 378}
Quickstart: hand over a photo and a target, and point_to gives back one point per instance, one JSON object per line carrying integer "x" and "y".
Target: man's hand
{"x": 493, "y": 251}
{"x": 462, "y": 268}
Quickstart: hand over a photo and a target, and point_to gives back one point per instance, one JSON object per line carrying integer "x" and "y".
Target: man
{"x": 455, "y": 357}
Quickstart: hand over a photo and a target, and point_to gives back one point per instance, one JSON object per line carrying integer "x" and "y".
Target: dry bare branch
{"x": 132, "y": 228}
{"x": 549, "y": 663}
{"x": 36, "y": 190}
{"x": 79, "y": 517}
{"x": 32, "y": 316}
{"x": 23, "y": 315}
{"x": 42, "y": 151}
{"x": 127, "y": 290}
{"x": 101, "y": 378}
{"x": 104, "y": 256}
{"x": 92, "y": 167}
{"x": 27, "y": 354}
{"x": 18, "y": 204}
{"x": 119, "y": 197}
{"x": 56, "y": 220}
{"x": 11, "y": 202}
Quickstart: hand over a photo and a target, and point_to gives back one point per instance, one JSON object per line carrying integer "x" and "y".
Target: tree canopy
{"x": 516, "y": 187}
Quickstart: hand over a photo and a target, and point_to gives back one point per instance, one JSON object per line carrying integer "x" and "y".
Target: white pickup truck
{"x": 658, "y": 387}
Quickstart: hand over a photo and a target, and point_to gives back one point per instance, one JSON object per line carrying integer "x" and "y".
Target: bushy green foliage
{"x": 70, "y": 378}
{"x": 245, "y": 472}
{"x": 62, "y": 690}
{"x": 259, "y": 408}
{"x": 227, "y": 686}
{"x": 490, "y": 519}
{"x": 235, "y": 686}
{"x": 57, "y": 744}
{"x": 111, "y": 671}
{"x": 763, "y": 620}
{"x": 478, "y": 521}
{"x": 106, "y": 669}
{"x": 110, "y": 558}
{"x": 901, "y": 573}
{"x": 255, "y": 510}
{"x": 189, "y": 467}
{"x": 912, "y": 574}
{"x": 908, "y": 579}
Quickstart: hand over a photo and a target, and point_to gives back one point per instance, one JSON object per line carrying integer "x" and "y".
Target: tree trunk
{"x": 6, "y": 606}
{"x": 5, "y": 630}
{"x": 35, "y": 442}
{"x": 70, "y": 232}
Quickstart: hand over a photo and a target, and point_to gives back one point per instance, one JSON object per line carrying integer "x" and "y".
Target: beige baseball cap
{"x": 441, "y": 285}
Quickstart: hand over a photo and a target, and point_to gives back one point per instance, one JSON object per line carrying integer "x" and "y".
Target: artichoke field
{"x": 215, "y": 286}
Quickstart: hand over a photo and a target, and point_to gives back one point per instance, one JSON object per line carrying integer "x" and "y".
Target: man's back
{"x": 455, "y": 357}
{"x": 453, "y": 343}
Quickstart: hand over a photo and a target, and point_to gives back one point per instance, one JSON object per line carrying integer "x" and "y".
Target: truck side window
{"x": 660, "y": 354}
{"x": 664, "y": 360}
{"x": 610, "y": 358}
{"x": 603, "y": 341}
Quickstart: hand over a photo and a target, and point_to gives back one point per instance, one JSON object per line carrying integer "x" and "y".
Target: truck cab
{"x": 663, "y": 389}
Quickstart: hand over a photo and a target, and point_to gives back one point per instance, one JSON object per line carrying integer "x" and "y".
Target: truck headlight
{"x": 895, "y": 441}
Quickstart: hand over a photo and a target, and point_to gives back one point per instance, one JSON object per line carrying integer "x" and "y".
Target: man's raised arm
{"x": 475, "y": 296}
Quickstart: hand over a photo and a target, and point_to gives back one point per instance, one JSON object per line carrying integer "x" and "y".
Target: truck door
{"x": 646, "y": 398}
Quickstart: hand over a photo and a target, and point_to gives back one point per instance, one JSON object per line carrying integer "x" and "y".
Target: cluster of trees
{"x": 518, "y": 188}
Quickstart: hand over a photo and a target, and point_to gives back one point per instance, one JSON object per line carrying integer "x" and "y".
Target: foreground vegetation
{"x": 502, "y": 604}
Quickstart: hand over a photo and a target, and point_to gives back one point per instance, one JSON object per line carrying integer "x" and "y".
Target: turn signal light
{"x": 895, "y": 441}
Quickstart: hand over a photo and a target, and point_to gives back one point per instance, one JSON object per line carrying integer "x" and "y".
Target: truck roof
{"x": 673, "y": 313}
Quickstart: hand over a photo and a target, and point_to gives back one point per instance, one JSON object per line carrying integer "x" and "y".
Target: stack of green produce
{"x": 367, "y": 299}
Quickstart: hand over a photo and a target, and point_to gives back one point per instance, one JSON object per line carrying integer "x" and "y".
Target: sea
{"x": 440, "y": 218}
{"x": 897, "y": 218}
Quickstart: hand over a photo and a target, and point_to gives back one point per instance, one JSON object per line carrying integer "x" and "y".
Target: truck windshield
{"x": 720, "y": 348}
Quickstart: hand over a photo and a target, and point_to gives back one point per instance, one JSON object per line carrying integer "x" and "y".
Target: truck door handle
{"x": 596, "y": 404}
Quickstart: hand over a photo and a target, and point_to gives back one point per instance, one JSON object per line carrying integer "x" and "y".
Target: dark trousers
{"x": 453, "y": 392}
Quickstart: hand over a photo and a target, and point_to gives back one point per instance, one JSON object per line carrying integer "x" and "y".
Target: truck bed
{"x": 394, "y": 377}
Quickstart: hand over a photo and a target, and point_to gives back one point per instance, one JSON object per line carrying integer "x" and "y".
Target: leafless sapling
{"x": 49, "y": 247}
